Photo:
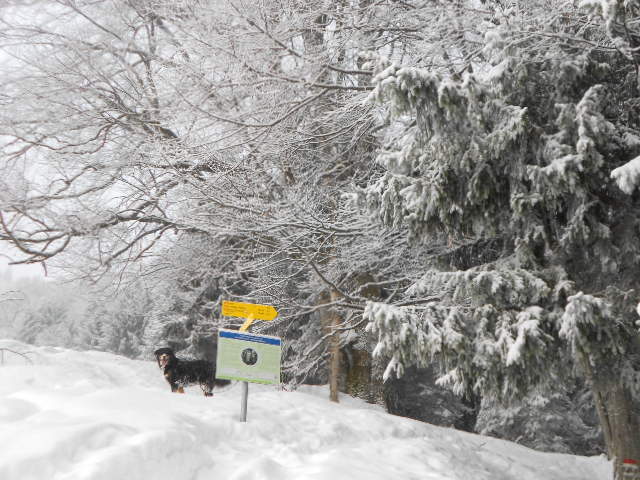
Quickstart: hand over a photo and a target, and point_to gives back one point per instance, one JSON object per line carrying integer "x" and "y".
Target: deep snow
{"x": 92, "y": 415}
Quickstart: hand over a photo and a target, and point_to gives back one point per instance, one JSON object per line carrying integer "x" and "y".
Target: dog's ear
{"x": 157, "y": 354}
{"x": 165, "y": 351}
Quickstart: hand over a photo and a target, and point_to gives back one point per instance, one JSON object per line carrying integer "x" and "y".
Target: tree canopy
{"x": 460, "y": 177}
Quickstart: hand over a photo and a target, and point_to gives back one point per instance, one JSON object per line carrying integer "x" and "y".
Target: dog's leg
{"x": 207, "y": 389}
{"x": 180, "y": 390}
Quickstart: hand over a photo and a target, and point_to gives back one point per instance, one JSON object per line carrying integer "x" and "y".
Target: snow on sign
{"x": 248, "y": 357}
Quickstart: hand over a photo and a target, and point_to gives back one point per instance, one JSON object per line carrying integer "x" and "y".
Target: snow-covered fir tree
{"x": 517, "y": 157}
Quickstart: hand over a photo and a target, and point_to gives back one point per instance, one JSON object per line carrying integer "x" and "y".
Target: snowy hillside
{"x": 90, "y": 415}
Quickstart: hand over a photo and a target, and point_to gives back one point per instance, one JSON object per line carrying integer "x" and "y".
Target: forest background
{"x": 439, "y": 198}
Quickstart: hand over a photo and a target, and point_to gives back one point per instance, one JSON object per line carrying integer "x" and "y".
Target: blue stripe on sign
{"x": 249, "y": 338}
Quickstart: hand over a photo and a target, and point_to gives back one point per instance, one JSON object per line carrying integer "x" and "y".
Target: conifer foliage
{"x": 521, "y": 152}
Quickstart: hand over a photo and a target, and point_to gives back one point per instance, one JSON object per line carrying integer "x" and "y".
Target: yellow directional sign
{"x": 247, "y": 310}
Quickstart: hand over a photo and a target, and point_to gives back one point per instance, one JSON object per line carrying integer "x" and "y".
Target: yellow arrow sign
{"x": 245, "y": 310}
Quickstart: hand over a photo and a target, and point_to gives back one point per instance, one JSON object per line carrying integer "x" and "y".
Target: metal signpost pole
{"x": 245, "y": 385}
{"x": 243, "y": 405}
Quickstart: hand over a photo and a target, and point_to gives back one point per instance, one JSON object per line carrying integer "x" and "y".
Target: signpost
{"x": 248, "y": 357}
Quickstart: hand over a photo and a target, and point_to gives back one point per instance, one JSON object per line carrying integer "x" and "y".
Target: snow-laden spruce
{"x": 517, "y": 158}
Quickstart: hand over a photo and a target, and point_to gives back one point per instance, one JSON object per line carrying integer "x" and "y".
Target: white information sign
{"x": 248, "y": 357}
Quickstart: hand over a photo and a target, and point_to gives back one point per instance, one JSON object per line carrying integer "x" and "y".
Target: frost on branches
{"x": 500, "y": 348}
{"x": 627, "y": 176}
{"x": 521, "y": 154}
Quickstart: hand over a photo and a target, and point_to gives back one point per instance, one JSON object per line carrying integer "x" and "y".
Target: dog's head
{"x": 164, "y": 356}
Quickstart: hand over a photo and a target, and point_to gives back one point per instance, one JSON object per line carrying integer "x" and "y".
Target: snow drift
{"x": 90, "y": 415}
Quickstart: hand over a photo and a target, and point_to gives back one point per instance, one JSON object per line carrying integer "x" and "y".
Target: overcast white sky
{"x": 17, "y": 271}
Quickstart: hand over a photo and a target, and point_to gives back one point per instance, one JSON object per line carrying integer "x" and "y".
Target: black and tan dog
{"x": 180, "y": 373}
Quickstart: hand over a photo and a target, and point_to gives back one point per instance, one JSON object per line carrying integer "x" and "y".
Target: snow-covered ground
{"x": 91, "y": 415}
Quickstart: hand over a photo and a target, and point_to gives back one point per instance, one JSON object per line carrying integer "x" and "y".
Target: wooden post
{"x": 334, "y": 352}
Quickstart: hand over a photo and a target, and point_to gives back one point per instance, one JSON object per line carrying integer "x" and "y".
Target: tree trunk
{"x": 621, "y": 427}
{"x": 619, "y": 422}
{"x": 334, "y": 351}
{"x": 330, "y": 322}
{"x": 358, "y": 375}
{"x": 360, "y": 381}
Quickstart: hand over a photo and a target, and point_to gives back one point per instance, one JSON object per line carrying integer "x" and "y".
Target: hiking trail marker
{"x": 248, "y": 357}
